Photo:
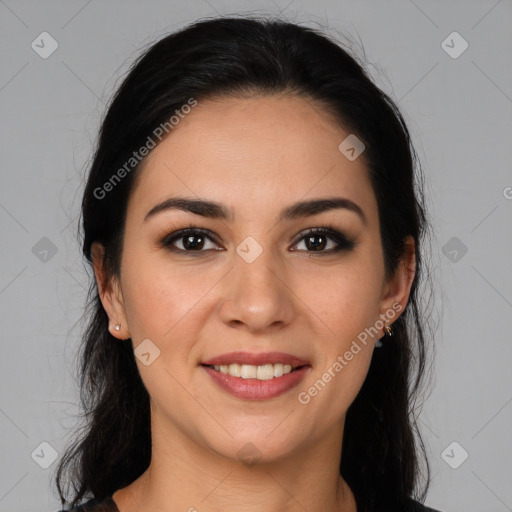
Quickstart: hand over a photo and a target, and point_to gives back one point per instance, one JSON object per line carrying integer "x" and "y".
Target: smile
{"x": 249, "y": 371}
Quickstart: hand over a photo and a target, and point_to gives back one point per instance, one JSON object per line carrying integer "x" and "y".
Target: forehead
{"x": 251, "y": 152}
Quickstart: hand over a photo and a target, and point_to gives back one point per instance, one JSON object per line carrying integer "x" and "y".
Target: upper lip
{"x": 256, "y": 359}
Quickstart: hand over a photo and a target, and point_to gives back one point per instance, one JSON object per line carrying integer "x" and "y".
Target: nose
{"x": 257, "y": 296}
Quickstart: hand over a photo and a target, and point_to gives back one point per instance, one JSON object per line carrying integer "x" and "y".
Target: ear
{"x": 395, "y": 292}
{"x": 110, "y": 294}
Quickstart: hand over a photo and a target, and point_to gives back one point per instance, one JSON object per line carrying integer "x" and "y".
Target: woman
{"x": 255, "y": 224}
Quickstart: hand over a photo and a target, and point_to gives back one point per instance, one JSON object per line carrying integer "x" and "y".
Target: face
{"x": 261, "y": 279}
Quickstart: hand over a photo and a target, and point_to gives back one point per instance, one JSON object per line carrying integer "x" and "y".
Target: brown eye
{"x": 189, "y": 240}
{"x": 320, "y": 239}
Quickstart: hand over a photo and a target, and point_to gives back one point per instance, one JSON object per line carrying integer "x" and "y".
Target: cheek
{"x": 347, "y": 302}
{"x": 346, "y": 298}
{"x": 349, "y": 308}
{"x": 352, "y": 307}
{"x": 334, "y": 388}
{"x": 159, "y": 295}
{"x": 162, "y": 304}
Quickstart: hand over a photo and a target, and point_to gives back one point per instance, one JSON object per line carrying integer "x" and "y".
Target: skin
{"x": 256, "y": 156}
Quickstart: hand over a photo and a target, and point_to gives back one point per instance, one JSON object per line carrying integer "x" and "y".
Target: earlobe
{"x": 110, "y": 294}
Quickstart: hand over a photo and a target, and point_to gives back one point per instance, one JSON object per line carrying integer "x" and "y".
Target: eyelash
{"x": 343, "y": 243}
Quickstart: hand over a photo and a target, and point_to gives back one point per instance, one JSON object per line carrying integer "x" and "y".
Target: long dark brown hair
{"x": 384, "y": 460}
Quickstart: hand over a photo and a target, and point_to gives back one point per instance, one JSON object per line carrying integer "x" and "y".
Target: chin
{"x": 257, "y": 447}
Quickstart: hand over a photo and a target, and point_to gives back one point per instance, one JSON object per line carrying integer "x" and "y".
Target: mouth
{"x": 256, "y": 376}
{"x": 266, "y": 371}
{"x": 261, "y": 366}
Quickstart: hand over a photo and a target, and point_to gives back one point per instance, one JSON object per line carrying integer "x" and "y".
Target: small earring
{"x": 117, "y": 327}
{"x": 389, "y": 330}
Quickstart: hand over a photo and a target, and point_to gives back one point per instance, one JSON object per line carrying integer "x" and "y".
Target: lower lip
{"x": 254, "y": 389}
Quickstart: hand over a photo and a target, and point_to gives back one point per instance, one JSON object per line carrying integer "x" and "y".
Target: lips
{"x": 255, "y": 381}
{"x": 256, "y": 359}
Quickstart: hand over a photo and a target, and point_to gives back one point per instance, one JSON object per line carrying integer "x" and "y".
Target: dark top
{"x": 109, "y": 505}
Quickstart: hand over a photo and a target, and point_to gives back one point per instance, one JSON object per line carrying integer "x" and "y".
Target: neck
{"x": 186, "y": 476}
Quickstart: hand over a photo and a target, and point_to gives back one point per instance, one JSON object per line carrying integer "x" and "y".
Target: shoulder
{"x": 416, "y": 506}
{"x": 95, "y": 505}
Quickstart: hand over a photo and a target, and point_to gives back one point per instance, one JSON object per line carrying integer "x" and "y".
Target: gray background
{"x": 460, "y": 113}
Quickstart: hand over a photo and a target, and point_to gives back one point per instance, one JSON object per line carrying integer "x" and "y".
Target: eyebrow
{"x": 215, "y": 210}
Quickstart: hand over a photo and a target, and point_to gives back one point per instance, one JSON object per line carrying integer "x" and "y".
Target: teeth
{"x": 249, "y": 371}
{"x": 265, "y": 372}
{"x": 235, "y": 370}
